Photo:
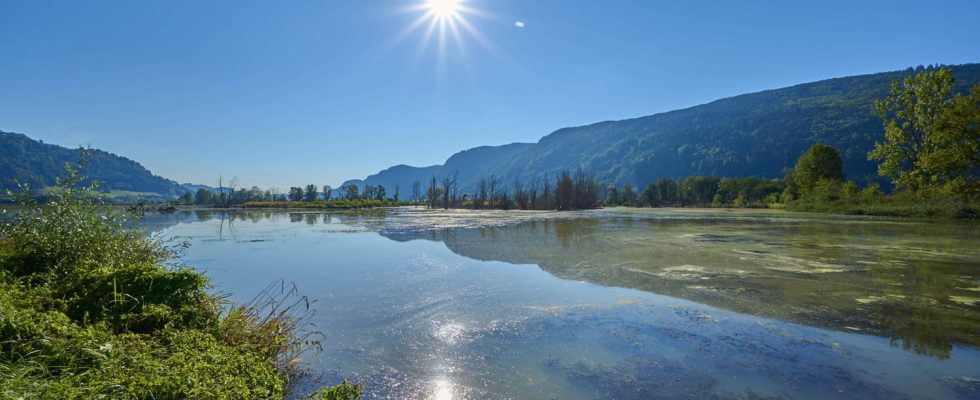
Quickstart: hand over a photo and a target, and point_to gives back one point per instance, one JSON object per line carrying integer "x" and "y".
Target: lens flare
{"x": 443, "y": 9}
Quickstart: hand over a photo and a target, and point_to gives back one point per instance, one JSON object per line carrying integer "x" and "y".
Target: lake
{"x": 613, "y": 303}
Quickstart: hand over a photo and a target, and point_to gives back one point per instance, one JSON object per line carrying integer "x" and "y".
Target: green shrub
{"x": 89, "y": 310}
{"x": 346, "y": 390}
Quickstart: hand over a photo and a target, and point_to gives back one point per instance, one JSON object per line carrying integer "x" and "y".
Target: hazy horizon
{"x": 323, "y": 92}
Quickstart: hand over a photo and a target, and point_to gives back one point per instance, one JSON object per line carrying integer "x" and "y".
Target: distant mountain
{"x": 39, "y": 164}
{"x": 468, "y": 165}
{"x": 757, "y": 134}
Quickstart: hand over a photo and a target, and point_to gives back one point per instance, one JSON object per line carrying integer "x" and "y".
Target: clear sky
{"x": 293, "y": 92}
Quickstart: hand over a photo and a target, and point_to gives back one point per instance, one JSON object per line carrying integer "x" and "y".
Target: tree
{"x": 612, "y": 196}
{"x": 455, "y": 188}
{"x": 416, "y": 192}
{"x": 295, "y": 193}
{"x": 521, "y": 195}
{"x": 650, "y": 195}
{"x": 327, "y": 192}
{"x": 668, "y": 191}
{"x": 397, "y": 194}
{"x": 586, "y": 190}
{"x": 628, "y": 197}
{"x": 533, "y": 195}
{"x": 481, "y": 193}
{"x": 491, "y": 193}
{"x": 433, "y": 193}
{"x": 547, "y": 201}
{"x": 369, "y": 192}
{"x": 310, "y": 193}
{"x": 910, "y": 115}
{"x": 446, "y": 191}
{"x": 820, "y": 162}
{"x": 953, "y": 162}
{"x": 203, "y": 196}
{"x": 699, "y": 190}
{"x": 565, "y": 191}
{"x": 227, "y": 197}
{"x": 351, "y": 191}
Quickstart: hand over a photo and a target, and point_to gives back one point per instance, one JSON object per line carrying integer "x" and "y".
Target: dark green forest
{"x": 39, "y": 164}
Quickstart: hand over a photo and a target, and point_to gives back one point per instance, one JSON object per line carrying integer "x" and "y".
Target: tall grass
{"x": 91, "y": 309}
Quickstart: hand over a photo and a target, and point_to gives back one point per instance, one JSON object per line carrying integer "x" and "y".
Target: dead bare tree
{"x": 481, "y": 193}
{"x": 433, "y": 193}
{"x": 492, "y": 190}
{"x": 534, "y": 193}
{"x": 547, "y": 201}
{"x": 521, "y": 195}
{"x": 232, "y": 184}
{"x": 416, "y": 192}
{"x": 454, "y": 186}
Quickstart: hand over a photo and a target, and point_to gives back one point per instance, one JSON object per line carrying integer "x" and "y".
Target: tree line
{"x": 931, "y": 147}
{"x": 567, "y": 191}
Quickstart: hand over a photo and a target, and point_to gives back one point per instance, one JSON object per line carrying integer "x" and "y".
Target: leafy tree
{"x": 327, "y": 192}
{"x": 668, "y": 191}
{"x": 295, "y": 193}
{"x": 911, "y": 114}
{"x": 369, "y": 192}
{"x": 953, "y": 159}
{"x": 820, "y": 162}
{"x": 351, "y": 191}
{"x": 203, "y": 196}
{"x": 612, "y": 196}
{"x": 629, "y": 196}
{"x": 699, "y": 190}
{"x": 310, "y": 193}
{"x": 650, "y": 196}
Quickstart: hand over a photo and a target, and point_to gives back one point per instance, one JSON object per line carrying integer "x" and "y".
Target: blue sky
{"x": 293, "y": 92}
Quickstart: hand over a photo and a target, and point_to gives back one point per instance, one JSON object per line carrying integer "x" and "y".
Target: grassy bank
{"x": 90, "y": 309}
{"x": 910, "y": 205}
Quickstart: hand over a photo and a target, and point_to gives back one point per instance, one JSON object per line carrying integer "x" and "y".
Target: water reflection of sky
{"x": 513, "y": 311}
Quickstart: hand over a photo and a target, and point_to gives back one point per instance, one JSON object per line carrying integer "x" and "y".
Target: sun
{"x": 443, "y": 9}
{"x": 445, "y": 25}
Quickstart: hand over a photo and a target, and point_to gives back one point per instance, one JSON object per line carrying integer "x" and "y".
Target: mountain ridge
{"x": 756, "y": 134}
{"x": 39, "y": 164}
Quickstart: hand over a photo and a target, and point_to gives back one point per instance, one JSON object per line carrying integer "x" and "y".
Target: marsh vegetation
{"x": 91, "y": 308}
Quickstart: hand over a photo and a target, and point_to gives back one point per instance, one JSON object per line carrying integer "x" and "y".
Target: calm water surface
{"x": 615, "y": 303}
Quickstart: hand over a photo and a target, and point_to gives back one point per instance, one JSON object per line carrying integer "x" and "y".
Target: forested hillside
{"x": 468, "y": 165}
{"x": 39, "y": 164}
{"x": 757, "y": 134}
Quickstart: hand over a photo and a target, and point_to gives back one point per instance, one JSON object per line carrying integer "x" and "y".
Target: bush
{"x": 88, "y": 309}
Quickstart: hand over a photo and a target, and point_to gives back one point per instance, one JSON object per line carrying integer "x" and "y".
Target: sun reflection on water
{"x": 443, "y": 389}
{"x": 450, "y": 332}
